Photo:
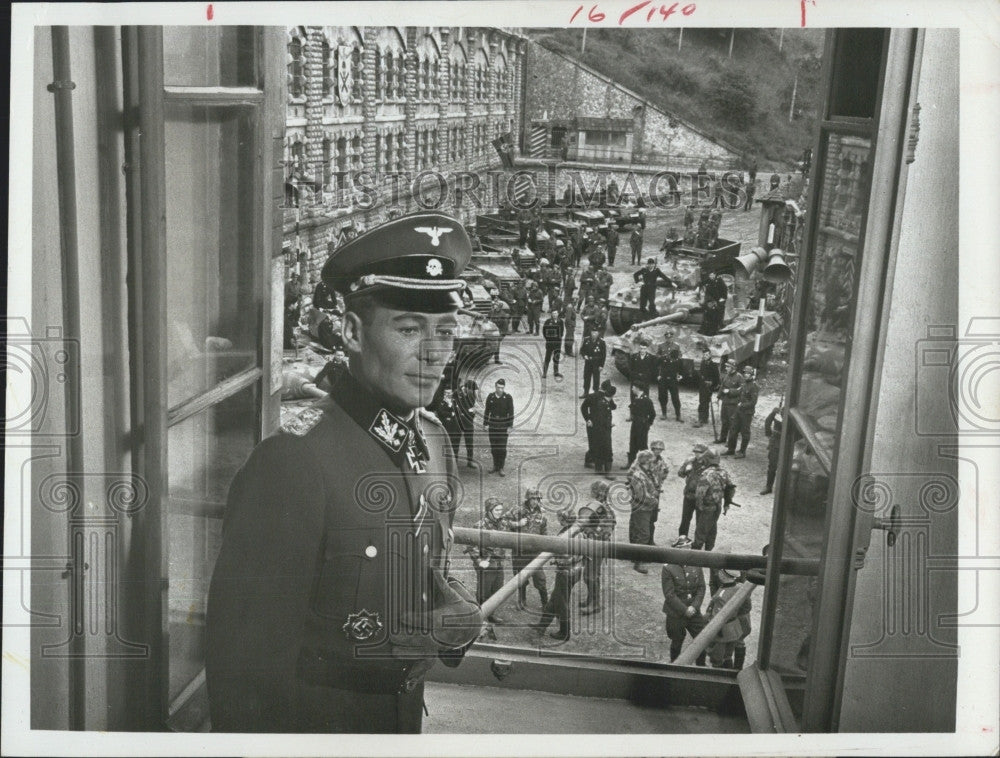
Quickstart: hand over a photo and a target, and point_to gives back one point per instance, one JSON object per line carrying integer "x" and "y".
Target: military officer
{"x": 529, "y": 520}
{"x": 498, "y": 419}
{"x": 683, "y": 593}
{"x": 729, "y": 397}
{"x": 596, "y": 410}
{"x": 670, "y": 373}
{"x": 303, "y": 632}
{"x": 594, "y": 352}
{"x": 746, "y": 405}
{"x": 650, "y": 277}
{"x": 535, "y": 298}
{"x": 641, "y": 415}
{"x": 708, "y": 381}
{"x": 643, "y": 366}
{"x": 553, "y": 331}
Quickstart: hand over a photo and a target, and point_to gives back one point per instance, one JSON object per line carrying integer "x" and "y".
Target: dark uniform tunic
{"x": 498, "y": 417}
{"x": 317, "y": 529}
{"x": 690, "y": 471}
{"x": 594, "y": 353}
{"x": 670, "y": 369}
{"x": 465, "y": 400}
{"x": 553, "y": 332}
{"x": 683, "y": 588}
{"x": 708, "y": 375}
{"x": 772, "y": 430}
{"x": 647, "y": 291}
{"x": 642, "y": 369}
{"x": 643, "y": 414}
{"x": 596, "y": 408}
{"x": 729, "y": 397}
{"x": 745, "y": 407}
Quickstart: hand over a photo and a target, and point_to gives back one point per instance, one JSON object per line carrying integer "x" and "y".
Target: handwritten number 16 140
{"x": 596, "y": 15}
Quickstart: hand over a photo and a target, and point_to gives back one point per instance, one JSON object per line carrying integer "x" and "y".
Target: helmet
{"x": 644, "y": 458}
{"x": 656, "y": 445}
{"x": 543, "y": 262}
{"x": 532, "y": 492}
{"x": 727, "y": 576}
{"x": 699, "y": 449}
{"x": 599, "y": 489}
{"x": 711, "y": 458}
{"x": 682, "y": 542}
{"x": 492, "y": 503}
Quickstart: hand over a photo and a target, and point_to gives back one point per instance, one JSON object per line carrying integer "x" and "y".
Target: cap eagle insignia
{"x": 434, "y": 232}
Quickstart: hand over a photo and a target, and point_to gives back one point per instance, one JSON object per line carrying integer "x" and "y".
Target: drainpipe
{"x": 61, "y": 88}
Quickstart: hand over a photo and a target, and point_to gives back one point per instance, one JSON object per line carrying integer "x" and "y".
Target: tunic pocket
{"x": 335, "y": 591}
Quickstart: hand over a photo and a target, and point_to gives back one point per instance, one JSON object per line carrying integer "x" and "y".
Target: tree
{"x": 735, "y": 97}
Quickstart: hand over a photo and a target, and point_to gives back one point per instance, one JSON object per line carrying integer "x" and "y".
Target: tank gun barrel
{"x": 675, "y": 316}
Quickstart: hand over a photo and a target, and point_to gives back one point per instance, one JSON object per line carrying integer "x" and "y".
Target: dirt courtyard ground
{"x": 546, "y": 450}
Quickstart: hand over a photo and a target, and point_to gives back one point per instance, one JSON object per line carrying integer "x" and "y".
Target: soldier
{"x": 569, "y": 569}
{"x": 552, "y": 332}
{"x": 641, "y": 415}
{"x": 284, "y": 628}
{"x": 670, "y": 373}
{"x": 535, "y": 298}
{"x": 488, "y": 560}
{"x": 499, "y": 315}
{"x": 552, "y": 282}
{"x": 713, "y": 303}
{"x": 594, "y": 352}
{"x": 324, "y": 297}
{"x": 612, "y": 238}
{"x": 465, "y": 401}
{"x": 645, "y": 492}
{"x": 596, "y": 257}
{"x": 690, "y": 472}
{"x": 708, "y": 381}
{"x": 723, "y": 647}
{"x": 717, "y": 579}
{"x": 596, "y": 410}
{"x": 745, "y": 407}
{"x": 642, "y": 365}
{"x": 668, "y": 343}
{"x": 712, "y": 498}
{"x": 599, "y": 524}
{"x": 729, "y": 397}
{"x": 518, "y": 305}
{"x": 635, "y": 243}
{"x": 650, "y": 276}
{"x": 590, "y": 314}
{"x": 683, "y": 593}
{"x": 585, "y": 295}
{"x": 447, "y": 413}
{"x": 498, "y": 418}
{"x": 660, "y": 470}
{"x": 602, "y": 285}
{"x": 772, "y": 430}
{"x": 529, "y": 520}
{"x": 569, "y": 326}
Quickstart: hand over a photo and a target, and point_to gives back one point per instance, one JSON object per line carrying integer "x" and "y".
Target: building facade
{"x": 371, "y": 108}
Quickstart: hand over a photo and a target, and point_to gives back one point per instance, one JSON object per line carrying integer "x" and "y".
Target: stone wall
{"x": 559, "y": 87}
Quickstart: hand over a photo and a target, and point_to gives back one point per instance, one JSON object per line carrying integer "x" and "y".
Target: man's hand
{"x": 455, "y": 622}
{"x": 689, "y": 612}
{"x": 590, "y": 423}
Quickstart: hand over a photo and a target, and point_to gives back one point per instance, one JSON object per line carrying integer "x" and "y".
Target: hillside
{"x": 744, "y": 100}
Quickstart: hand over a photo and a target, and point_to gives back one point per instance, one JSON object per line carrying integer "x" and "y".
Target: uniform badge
{"x": 362, "y": 625}
{"x": 301, "y": 423}
{"x": 434, "y": 232}
{"x": 389, "y": 431}
{"x": 434, "y": 267}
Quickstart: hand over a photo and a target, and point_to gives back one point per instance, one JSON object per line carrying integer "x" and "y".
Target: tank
{"x": 686, "y": 266}
{"x": 746, "y": 336}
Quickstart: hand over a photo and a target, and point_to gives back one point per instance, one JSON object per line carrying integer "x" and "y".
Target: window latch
{"x": 889, "y": 525}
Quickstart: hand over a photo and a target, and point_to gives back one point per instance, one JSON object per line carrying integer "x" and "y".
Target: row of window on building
{"x": 344, "y": 65}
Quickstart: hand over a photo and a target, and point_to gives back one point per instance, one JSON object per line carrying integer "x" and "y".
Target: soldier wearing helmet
{"x": 529, "y": 519}
{"x": 746, "y": 405}
{"x": 690, "y": 471}
{"x": 645, "y": 492}
{"x": 599, "y": 525}
{"x": 488, "y": 560}
{"x": 718, "y": 580}
{"x": 713, "y": 495}
{"x": 569, "y": 568}
{"x": 722, "y": 649}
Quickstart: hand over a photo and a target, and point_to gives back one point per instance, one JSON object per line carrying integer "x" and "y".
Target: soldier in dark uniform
{"x": 465, "y": 400}
{"x": 670, "y": 372}
{"x": 642, "y": 366}
{"x": 552, "y": 333}
{"x": 729, "y": 397}
{"x": 447, "y": 413}
{"x": 612, "y": 237}
{"x": 714, "y": 304}
{"x": 499, "y": 315}
{"x": 314, "y": 624}
{"x": 683, "y": 594}
{"x": 585, "y": 295}
{"x": 708, "y": 381}
{"x": 324, "y": 297}
{"x": 529, "y": 519}
{"x": 518, "y": 306}
{"x": 635, "y": 245}
{"x": 596, "y": 410}
{"x": 535, "y": 298}
{"x": 772, "y": 430}
{"x": 598, "y": 520}
{"x": 690, "y": 472}
{"x": 602, "y": 286}
{"x": 594, "y": 352}
{"x": 488, "y": 560}
{"x": 641, "y": 414}
{"x": 650, "y": 276}
{"x": 498, "y": 418}
{"x": 745, "y": 407}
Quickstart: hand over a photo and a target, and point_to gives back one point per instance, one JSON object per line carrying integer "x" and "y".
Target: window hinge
{"x": 911, "y": 142}
{"x": 890, "y": 526}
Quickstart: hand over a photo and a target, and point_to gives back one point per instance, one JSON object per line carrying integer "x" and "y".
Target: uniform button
{"x": 371, "y": 551}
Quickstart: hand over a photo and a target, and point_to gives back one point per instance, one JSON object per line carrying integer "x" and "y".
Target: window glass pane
{"x": 213, "y": 320}
{"x": 835, "y": 261}
{"x": 204, "y": 452}
{"x": 209, "y": 56}
{"x": 857, "y": 63}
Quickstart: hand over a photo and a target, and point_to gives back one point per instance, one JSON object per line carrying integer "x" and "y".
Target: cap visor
{"x": 417, "y": 300}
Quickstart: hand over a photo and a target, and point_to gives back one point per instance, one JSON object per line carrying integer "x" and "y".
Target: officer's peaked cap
{"x": 409, "y": 263}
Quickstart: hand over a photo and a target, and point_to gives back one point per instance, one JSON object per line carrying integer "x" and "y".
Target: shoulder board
{"x": 302, "y": 422}
{"x": 430, "y": 417}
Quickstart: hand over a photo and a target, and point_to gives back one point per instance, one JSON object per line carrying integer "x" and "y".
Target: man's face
{"x": 642, "y": 350}
{"x": 498, "y": 388}
{"x": 706, "y": 356}
{"x": 711, "y": 276}
{"x": 731, "y": 367}
{"x": 649, "y": 266}
{"x": 400, "y": 355}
